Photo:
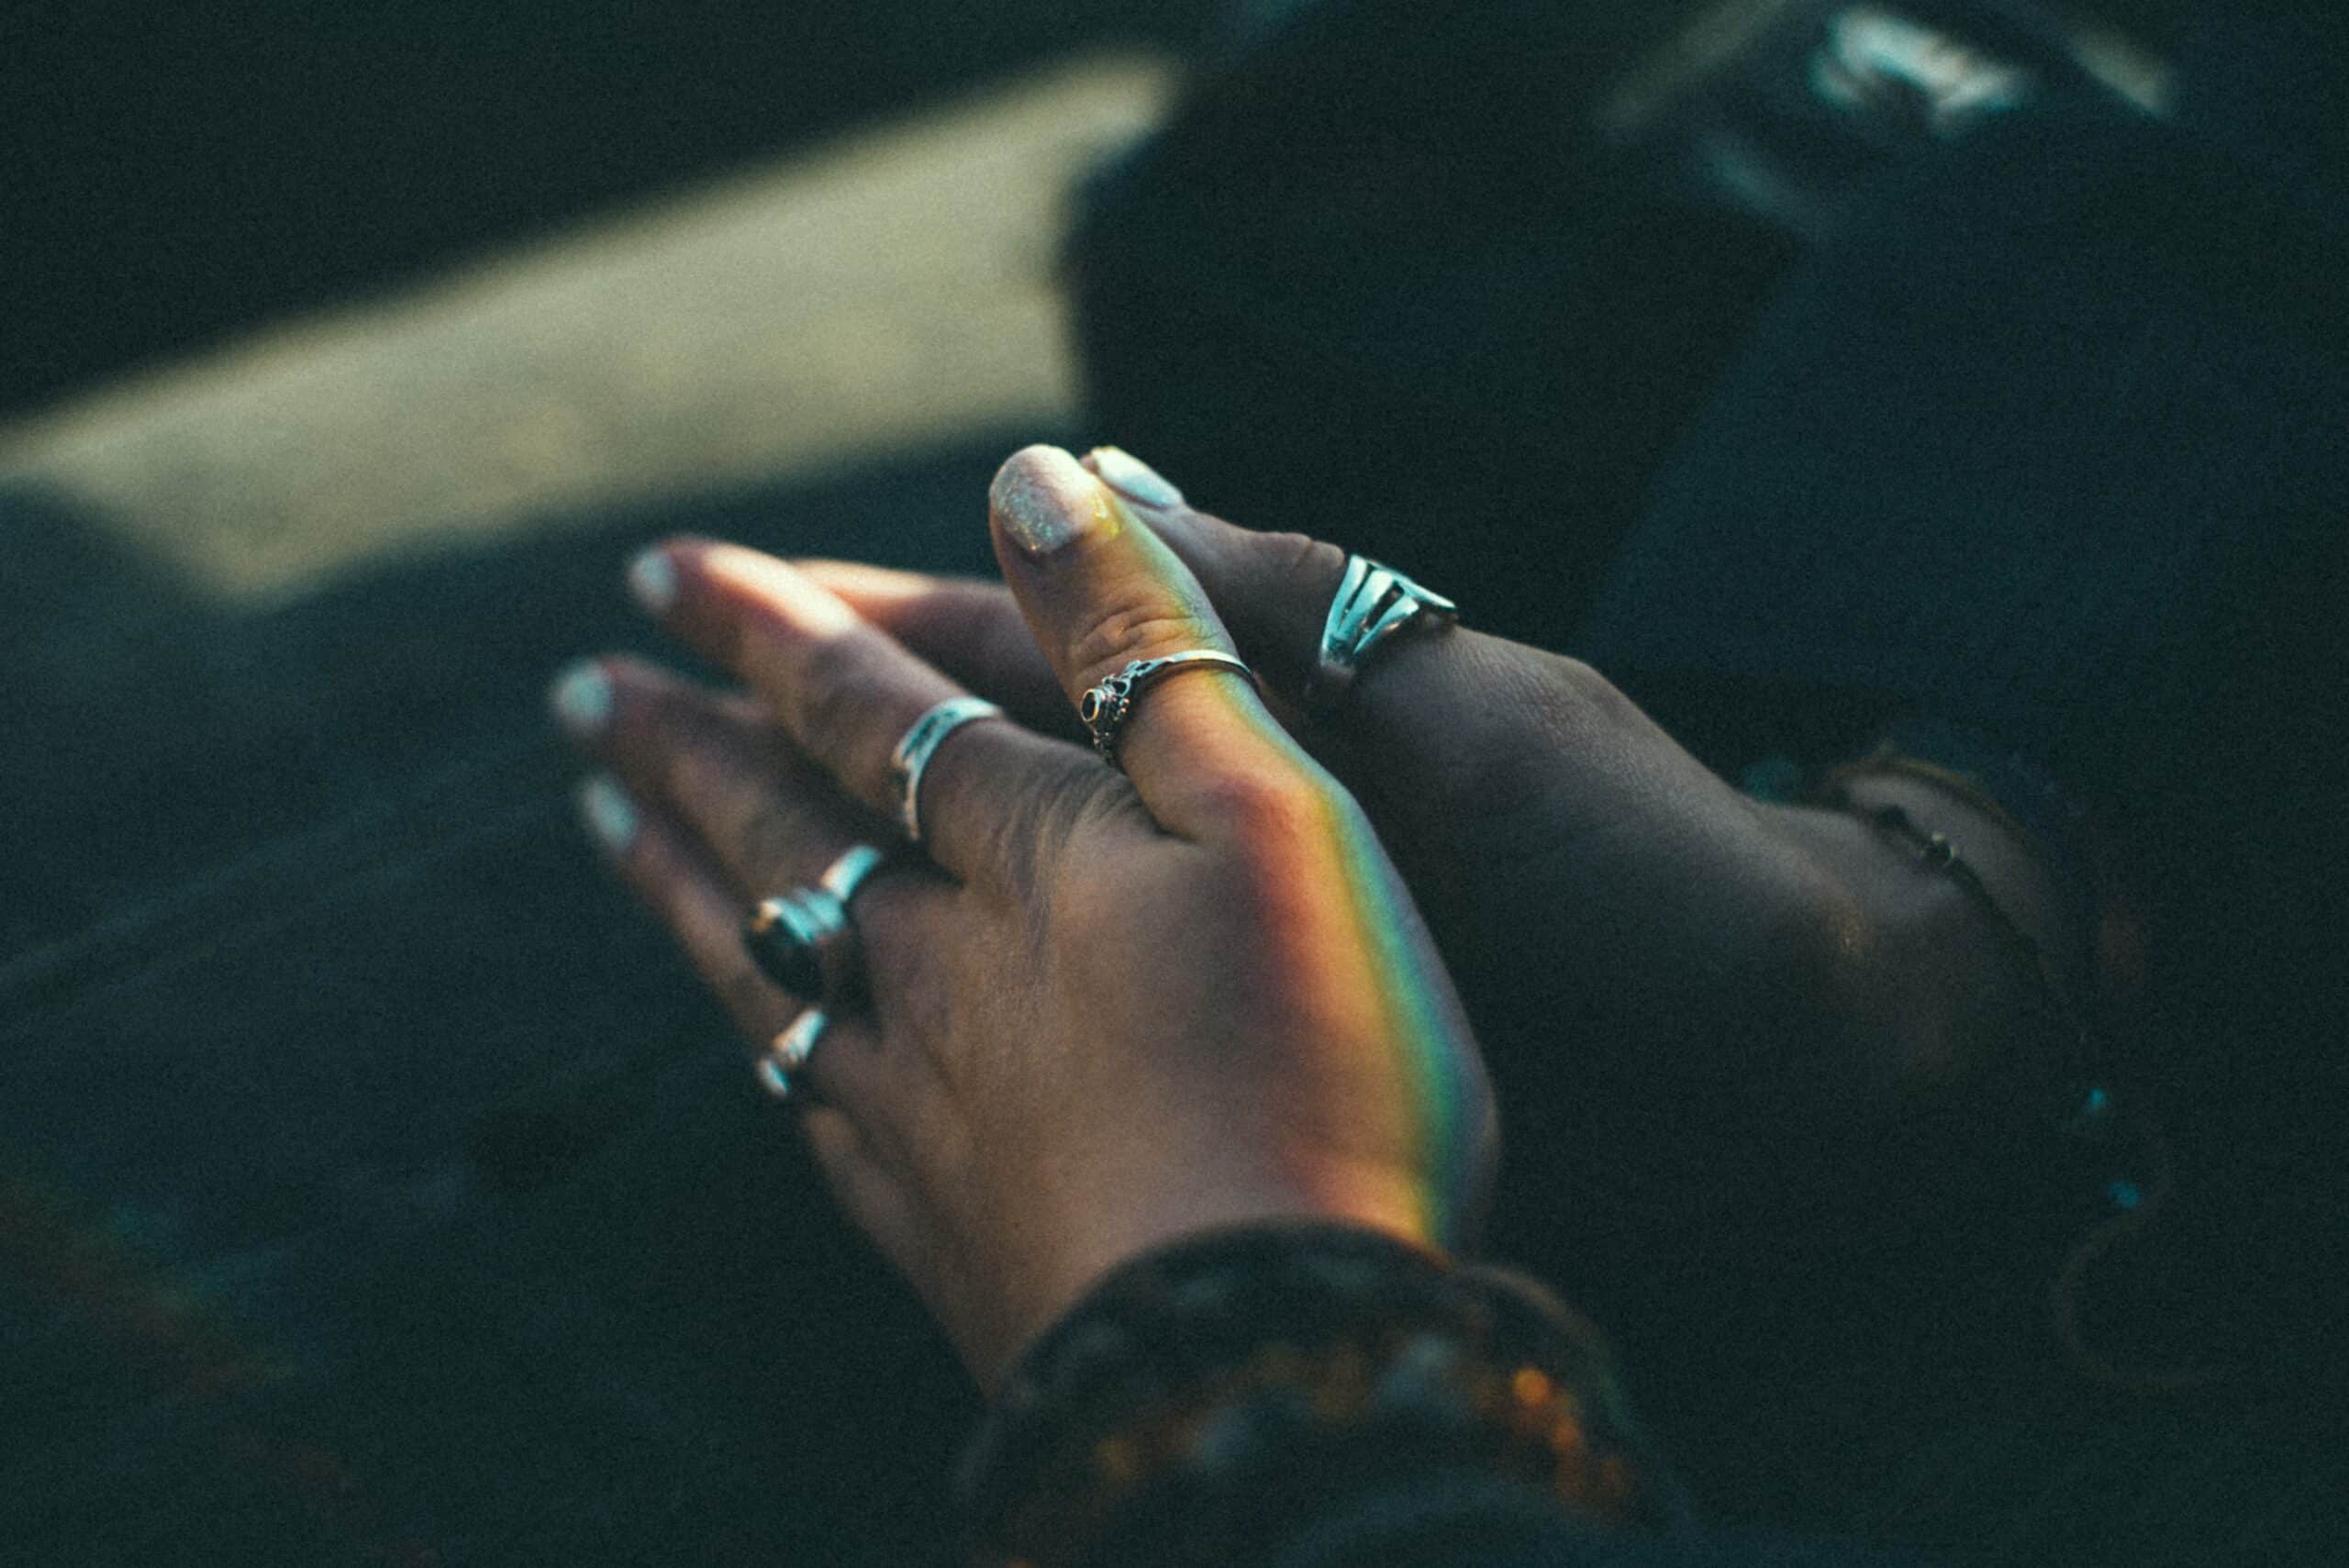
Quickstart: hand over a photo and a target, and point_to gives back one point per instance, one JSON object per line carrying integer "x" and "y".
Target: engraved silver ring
{"x": 1105, "y": 707}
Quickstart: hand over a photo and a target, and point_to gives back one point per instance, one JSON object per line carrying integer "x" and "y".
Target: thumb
{"x": 1273, "y": 589}
{"x": 1100, "y": 593}
{"x": 1274, "y": 592}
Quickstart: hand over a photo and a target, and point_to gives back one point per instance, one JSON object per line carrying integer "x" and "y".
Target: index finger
{"x": 847, "y": 693}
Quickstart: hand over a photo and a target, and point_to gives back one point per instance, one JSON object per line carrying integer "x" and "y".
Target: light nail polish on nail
{"x": 1123, "y": 472}
{"x": 609, "y": 814}
{"x": 583, "y": 699}
{"x": 652, "y": 580}
{"x": 1046, "y": 499}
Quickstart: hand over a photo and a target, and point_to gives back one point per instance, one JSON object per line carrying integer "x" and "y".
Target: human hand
{"x": 1726, "y": 974}
{"x": 1118, "y": 1007}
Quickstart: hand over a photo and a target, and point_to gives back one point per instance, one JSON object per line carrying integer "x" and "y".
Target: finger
{"x": 771, "y": 821}
{"x": 1099, "y": 590}
{"x": 768, "y": 822}
{"x": 863, "y": 1182}
{"x": 970, "y": 630}
{"x": 659, "y": 860}
{"x": 846, "y": 692}
{"x": 1274, "y": 591}
{"x": 1501, "y": 700}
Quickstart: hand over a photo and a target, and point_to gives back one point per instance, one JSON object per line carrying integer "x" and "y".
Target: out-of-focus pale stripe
{"x": 889, "y": 290}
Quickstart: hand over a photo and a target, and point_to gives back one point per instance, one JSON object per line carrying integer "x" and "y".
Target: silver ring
{"x": 920, "y": 743}
{"x": 1106, "y": 707}
{"x": 847, "y": 873}
{"x": 1372, "y": 604}
{"x": 803, "y": 939}
{"x": 789, "y": 1052}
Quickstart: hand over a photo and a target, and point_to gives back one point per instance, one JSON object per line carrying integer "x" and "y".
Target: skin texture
{"x": 1109, "y": 1010}
{"x": 1636, "y": 932}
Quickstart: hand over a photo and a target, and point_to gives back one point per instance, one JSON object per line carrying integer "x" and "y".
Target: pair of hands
{"x": 1117, "y": 1008}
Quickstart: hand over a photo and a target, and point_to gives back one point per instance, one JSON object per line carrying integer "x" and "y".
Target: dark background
{"x": 507, "y": 1265}
{"x": 176, "y": 173}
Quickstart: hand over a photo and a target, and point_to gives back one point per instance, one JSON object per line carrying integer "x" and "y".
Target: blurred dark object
{"x": 376, "y": 1185}
{"x": 1495, "y": 259}
{"x": 1972, "y": 384}
{"x": 1517, "y": 241}
{"x": 178, "y": 174}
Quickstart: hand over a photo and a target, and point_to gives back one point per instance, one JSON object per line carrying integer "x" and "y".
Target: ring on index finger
{"x": 920, "y": 741}
{"x": 804, "y": 939}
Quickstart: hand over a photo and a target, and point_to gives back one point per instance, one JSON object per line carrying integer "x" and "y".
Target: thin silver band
{"x": 1106, "y": 707}
{"x": 847, "y": 873}
{"x": 920, "y": 743}
{"x": 790, "y": 1050}
{"x": 1372, "y": 603}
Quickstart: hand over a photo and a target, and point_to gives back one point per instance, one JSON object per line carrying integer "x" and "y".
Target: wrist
{"x": 1107, "y": 1232}
{"x": 1929, "y": 990}
{"x": 1217, "y": 1390}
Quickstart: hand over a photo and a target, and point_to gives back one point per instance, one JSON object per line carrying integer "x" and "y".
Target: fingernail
{"x": 652, "y": 580}
{"x": 1045, "y": 499}
{"x": 1123, "y": 472}
{"x": 609, "y": 814}
{"x": 582, "y": 699}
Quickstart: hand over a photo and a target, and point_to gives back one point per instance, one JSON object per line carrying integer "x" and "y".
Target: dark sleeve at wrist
{"x": 1235, "y": 1398}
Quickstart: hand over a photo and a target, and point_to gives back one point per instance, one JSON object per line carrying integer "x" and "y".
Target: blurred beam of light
{"x": 889, "y": 291}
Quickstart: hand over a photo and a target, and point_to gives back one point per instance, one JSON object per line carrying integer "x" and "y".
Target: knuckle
{"x": 1309, "y": 566}
{"x": 829, "y": 689}
{"x": 1586, "y": 685}
{"x": 1114, "y": 636}
{"x": 825, "y": 677}
{"x": 1260, "y": 811}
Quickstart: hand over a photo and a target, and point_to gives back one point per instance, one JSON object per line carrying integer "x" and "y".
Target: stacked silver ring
{"x": 1105, "y": 706}
{"x": 1372, "y": 603}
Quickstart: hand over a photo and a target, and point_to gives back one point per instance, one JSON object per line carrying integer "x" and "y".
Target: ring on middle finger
{"x": 803, "y": 941}
{"x": 1372, "y": 604}
{"x": 1105, "y": 706}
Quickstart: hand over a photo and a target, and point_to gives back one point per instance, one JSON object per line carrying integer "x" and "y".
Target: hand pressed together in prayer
{"x": 1101, "y": 1009}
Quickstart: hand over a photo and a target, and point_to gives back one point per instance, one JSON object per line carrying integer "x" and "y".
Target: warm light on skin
{"x": 1369, "y": 955}
{"x": 1369, "y": 951}
{"x": 754, "y": 578}
{"x": 1425, "y": 1027}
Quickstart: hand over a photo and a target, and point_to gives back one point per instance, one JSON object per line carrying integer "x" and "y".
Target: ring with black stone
{"x": 804, "y": 939}
{"x": 1106, "y": 706}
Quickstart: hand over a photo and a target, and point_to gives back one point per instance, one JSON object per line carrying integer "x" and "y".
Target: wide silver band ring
{"x": 1105, "y": 707}
{"x": 789, "y": 1052}
{"x": 1372, "y": 604}
{"x": 920, "y": 743}
{"x": 803, "y": 939}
